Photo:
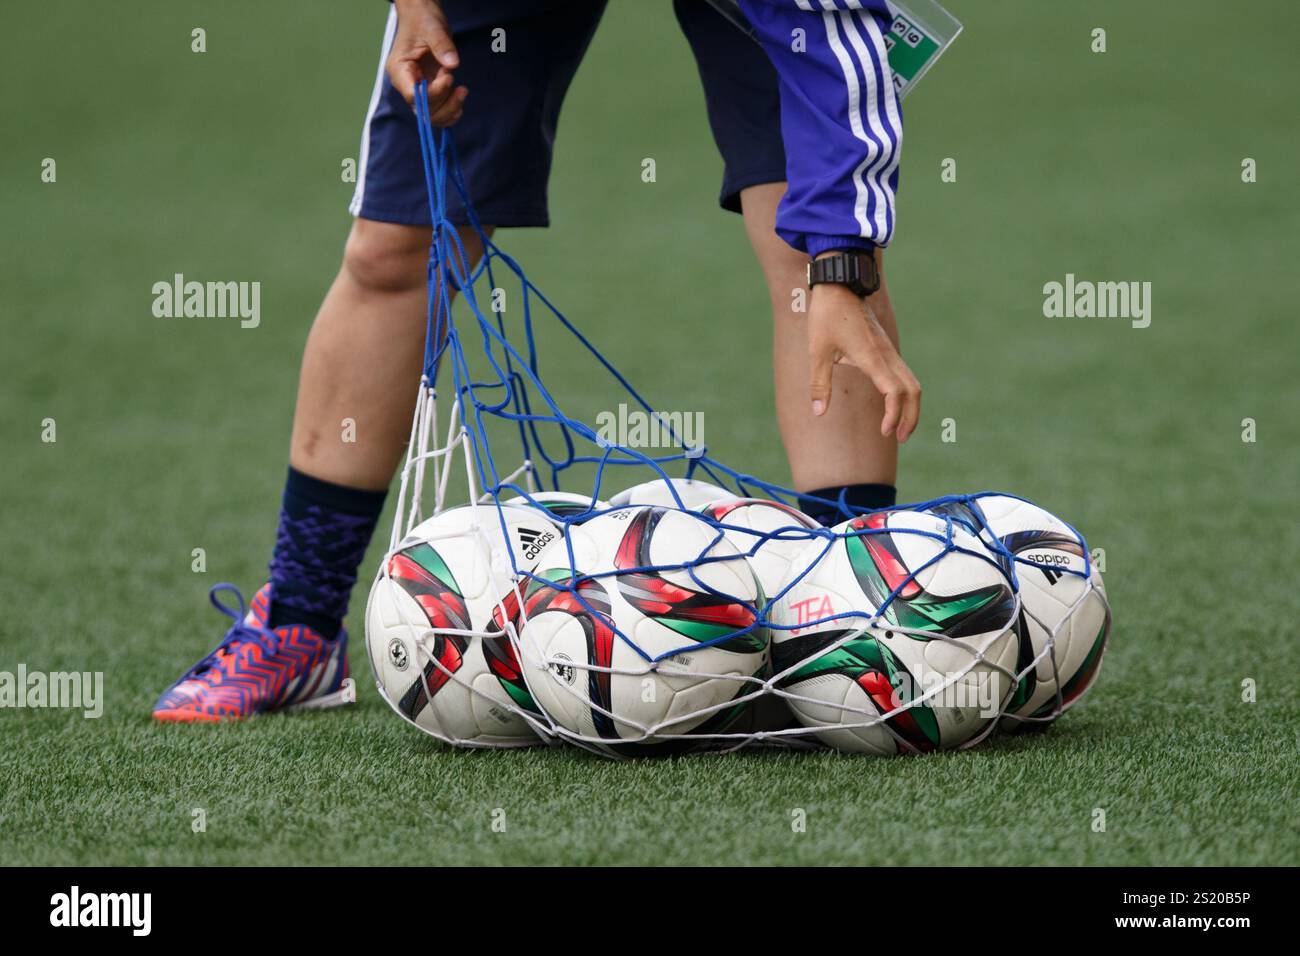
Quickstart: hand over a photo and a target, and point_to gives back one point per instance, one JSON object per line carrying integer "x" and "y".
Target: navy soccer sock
{"x": 324, "y": 531}
{"x": 855, "y": 496}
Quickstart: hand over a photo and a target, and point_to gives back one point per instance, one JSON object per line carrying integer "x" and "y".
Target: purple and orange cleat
{"x": 256, "y": 669}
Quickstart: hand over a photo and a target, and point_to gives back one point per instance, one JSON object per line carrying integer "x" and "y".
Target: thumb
{"x": 820, "y": 378}
{"x": 442, "y": 47}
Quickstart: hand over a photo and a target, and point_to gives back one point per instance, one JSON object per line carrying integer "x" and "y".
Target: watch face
{"x": 868, "y": 279}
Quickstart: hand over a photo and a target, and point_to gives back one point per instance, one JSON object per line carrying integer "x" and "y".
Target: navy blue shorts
{"x": 506, "y": 135}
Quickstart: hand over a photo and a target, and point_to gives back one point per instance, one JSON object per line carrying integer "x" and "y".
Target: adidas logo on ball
{"x": 1047, "y": 557}
{"x": 534, "y": 541}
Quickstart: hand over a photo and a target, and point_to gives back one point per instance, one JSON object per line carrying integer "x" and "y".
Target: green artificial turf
{"x": 171, "y": 434}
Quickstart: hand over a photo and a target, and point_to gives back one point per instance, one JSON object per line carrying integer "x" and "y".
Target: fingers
{"x": 424, "y": 50}
{"x": 902, "y": 393}
{"x": 907, "y": 391}
{"x": 911, "y": 411}
{"x": 822, "y": 359}
{"x": 893, "y": 408}
{"x": 441, "y": 81}
{"x": 889, "y": 386}
{"x": 843, "y": 329}
{"x": 886, "y": 371}
{"x": 902, "y": 405}
{"x": 446, "y": 100}
{"x": 876, "y": 358}
{"x": 404, "y": 74}
{"x": 451, "y": 108}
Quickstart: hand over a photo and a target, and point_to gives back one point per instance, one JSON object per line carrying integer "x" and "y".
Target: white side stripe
{"x": 888, "y": 154}
{"x": 359, "y": 194}
{"x": 855, "y": 124}
{"x": 890, "y": 95}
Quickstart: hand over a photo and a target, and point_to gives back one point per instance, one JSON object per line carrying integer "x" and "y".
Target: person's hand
{"x": 843, "y": 329}
{"x": 423, "y": 50}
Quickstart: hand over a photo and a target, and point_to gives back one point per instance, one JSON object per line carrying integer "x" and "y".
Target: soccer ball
{"x": 694, "y": 493}
{"x": 581, "y": 658}
{"x": 769, "y": 534}
{"x": 1065, "y": 623}
{"x": 445, "y": 578}
{"x": 559, "y": 505}
{"x": 771, "y": 557}
{"x": 840, "y": 676}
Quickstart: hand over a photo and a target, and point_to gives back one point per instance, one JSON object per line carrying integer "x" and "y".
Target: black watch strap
{"x": 855, "y": 269}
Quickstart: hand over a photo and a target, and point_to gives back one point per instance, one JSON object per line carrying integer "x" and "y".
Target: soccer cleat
{"x": 256, "y": 669}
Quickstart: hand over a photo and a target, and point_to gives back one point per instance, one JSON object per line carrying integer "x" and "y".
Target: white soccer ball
{"x": 445, "y": 578}
{"x": 768, "y": 533}
{"x": 693, "y": 493}
{"x": 1065, "y": 623}
{"x": 841, "y": 676}
{"x": 559, "y": 505}
{"x": 653, "y": 660}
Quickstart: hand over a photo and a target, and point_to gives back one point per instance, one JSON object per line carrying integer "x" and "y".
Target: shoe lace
{"x": 240, "y": 632}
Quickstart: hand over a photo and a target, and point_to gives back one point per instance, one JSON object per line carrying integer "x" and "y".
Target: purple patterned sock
{"x": 324, "y": 531}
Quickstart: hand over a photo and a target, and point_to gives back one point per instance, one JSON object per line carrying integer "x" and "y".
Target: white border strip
{"x": 363, "y": 160}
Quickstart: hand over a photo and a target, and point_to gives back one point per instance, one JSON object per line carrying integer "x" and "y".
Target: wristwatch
{"x": 855, "y": 269}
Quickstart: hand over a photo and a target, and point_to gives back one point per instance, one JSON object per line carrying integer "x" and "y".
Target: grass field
{"x": 172, "y": 434}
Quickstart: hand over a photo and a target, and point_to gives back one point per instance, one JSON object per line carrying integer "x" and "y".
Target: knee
{"x": 386, "y": 257}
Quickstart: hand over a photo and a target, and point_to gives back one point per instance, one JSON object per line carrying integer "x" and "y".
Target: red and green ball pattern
{"x": 540, "y": 595}
{"x": 869, "y": 664}
{"x": 698, "y": 616}
{"x": 880, "y": 570}
{"x": 421, "y": 572}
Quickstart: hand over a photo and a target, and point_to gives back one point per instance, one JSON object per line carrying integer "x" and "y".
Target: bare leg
{"x": 363, "y": 357}
{"x": 843, "y": 446}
